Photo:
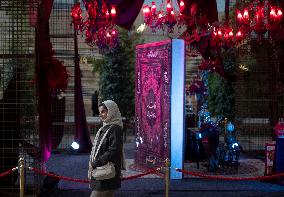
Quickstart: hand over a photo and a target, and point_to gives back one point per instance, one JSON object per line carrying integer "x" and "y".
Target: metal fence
{"x": 258, "y": 94}
{"x": 18, "y": 131}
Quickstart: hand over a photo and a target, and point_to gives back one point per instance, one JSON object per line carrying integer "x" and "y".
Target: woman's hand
{"x": 95, "y": 164}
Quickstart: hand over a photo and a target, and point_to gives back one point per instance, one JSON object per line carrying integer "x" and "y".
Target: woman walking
{"x": 107, "y": 148}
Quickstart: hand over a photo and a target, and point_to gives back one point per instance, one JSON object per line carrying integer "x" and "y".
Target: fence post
{"x": 22, "y": 176}
{"x": 167, "y": 177}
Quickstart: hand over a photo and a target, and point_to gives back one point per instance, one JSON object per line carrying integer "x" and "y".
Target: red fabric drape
{"x": 58, "y": 116}
{"x": 33, "y": 5}
{"x": 44, "y": 95}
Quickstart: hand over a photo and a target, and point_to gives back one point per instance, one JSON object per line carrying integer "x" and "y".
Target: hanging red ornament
{"x": 97, "y": 24}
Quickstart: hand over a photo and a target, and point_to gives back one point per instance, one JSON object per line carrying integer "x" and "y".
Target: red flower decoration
{"x": 212, "y": 66}
{"x": 207, "y": 65}
{"x": 57, "y": 76}
{"x": 56, "y": 73}
{"x": 197, "y": 87}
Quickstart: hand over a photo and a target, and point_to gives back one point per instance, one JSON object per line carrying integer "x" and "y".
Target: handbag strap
{"x": 101, "y": 141}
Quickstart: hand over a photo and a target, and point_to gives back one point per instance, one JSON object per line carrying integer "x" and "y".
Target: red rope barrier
{"x": 230, "y": 178}
{"x": 140, "y": 175}
{"x": 8, "y": 172}
{"x": 58, "y": 177}
{"x": 87, "y": 181}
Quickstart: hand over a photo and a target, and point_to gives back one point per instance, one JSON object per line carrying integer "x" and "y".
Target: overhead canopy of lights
{"x": 98, "y": 25}
{"x": 166, "y": 17}
{"x": 256, "y": 17}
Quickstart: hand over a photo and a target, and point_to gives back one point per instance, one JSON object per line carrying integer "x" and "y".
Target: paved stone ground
{"x": 152, "y": 185}
{"x": 187, "y": 187}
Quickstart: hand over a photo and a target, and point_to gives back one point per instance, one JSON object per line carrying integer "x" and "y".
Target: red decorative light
{"x": 153, "y": 8}
{"x": 266, "y": 17}
{"x": 225, "y": 36}
{"x": 167, "y": 16}
{"x": 98, "y": 24}
{"x": 228, "y": 35}
{"x": 169, "y": 7}
{"x": 146, "y": 10}
{"x": 113, "y": 32}
{"x": 240, "y": 16}
{"x": 239, "y": 34}
{"x": 76, "y": 14}
{"x": 113, "y": 12}
{"x": 107, "y": 14}
{"x": 181, "y": 5}
{"x": 275, "y": 14}
{"x": 246, "y": 14}
{"x": 279, "y": 13}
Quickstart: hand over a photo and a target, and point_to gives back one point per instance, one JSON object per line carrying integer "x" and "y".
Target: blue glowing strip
{"x": 177, "y": 107}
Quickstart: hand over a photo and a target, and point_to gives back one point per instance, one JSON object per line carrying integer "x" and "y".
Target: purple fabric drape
{"x": 209, "y": 8}
{"x": 82, "y": 136}
{"x": 44, "y": 96}
{"x": 58, "y": 116}
{"x": 127, "y": 11}
{"x": 206, "y": 8}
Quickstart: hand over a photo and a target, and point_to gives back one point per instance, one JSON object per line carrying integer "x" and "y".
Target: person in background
{"x": 111, "y": 150}
{"x": 95, "y": 98}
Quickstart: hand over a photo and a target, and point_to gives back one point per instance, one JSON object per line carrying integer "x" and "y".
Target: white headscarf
{"x": 113, "y": 114}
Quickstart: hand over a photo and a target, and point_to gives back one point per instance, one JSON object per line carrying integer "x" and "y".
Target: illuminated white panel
{"x": 177, "y": 107}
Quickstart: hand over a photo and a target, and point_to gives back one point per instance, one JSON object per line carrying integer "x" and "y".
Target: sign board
{"x": 269, "y": 158}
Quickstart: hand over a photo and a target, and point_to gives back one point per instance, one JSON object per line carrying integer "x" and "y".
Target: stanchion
{"x": 22, "y": 176}
{"x": 167, "y": 177}
{"x": 225, "y": 125}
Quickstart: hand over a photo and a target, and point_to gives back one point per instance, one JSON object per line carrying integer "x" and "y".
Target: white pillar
{"x": 177, "y": 108}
